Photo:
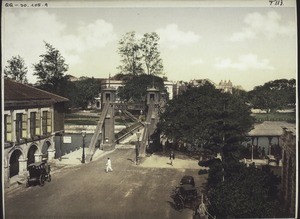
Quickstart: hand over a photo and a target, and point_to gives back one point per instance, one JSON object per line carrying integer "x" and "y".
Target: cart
{"x": 39, "y": 172}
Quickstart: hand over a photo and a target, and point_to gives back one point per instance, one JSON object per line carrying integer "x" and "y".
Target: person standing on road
{"x": 108, "y": 165}
{"x": 172, "y": 157}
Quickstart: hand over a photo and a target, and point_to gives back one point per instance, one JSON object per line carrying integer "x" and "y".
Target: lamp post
{"x": 137, "y": 149}
{"x": 83, "y": 133}
{"x": 252, "y": 152}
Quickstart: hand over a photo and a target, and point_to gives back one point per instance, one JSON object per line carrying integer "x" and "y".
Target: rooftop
{"x": 272, "y": 128}
{"x": 15, "y": 91}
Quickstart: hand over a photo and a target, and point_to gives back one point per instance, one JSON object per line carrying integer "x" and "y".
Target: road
{"x": 86, "y": 191}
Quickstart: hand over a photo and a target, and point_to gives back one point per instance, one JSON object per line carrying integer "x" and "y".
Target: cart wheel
{"x": 42, "y": 180}
{"x": 49, "y": 178}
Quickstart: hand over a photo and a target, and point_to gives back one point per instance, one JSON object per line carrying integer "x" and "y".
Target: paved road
{"x": 86, "y": 191}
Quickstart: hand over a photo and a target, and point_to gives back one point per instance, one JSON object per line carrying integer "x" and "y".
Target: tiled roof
{"x": 272, "y": 128}
{"x": 15, "y": 91}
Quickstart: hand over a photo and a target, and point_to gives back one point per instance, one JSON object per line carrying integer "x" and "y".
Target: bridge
{"x": 104, "y": 137}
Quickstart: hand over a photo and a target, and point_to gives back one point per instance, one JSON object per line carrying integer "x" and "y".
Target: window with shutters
{"x": 46, "y": 122}
{"x": 24, "y": 125}
{"x": 38, "y": 123}
{"x": 49, "y": 122}
{"x": 18, "y": 126}
{"x": 32, "y": 124}
{"x": 7, "y": 128}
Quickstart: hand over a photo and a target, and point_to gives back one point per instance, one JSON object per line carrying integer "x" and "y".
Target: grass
{"x": 289, "y": 117}
{"x": 88, "y": 119}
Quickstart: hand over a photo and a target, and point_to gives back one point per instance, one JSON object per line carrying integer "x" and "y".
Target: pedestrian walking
{"x": 172, "y": 157}
{"x": 108, "y": 165}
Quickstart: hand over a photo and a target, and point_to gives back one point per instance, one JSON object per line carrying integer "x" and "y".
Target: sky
{"x": 247, "y": 42}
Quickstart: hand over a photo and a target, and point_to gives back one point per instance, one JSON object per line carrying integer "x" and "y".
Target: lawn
{"x": 289, "y": 117}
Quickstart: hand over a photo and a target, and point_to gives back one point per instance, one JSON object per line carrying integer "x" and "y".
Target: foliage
{"x": 151, "y": 55}
{"x": 50, "y": 71}
{"x": 140, "y": 56}
{"x": 136, "y": 88}
{"x": 16, "y": 69}
{"x": 278, "y": 94}
{"x": 87, "y": 90}
{"x": 289, "y": 117}
{"x": 206, "y": 118}
{"x": 129, "y": 50}
{"x": 122, "y": 77}
{"x": 246, "y": 192}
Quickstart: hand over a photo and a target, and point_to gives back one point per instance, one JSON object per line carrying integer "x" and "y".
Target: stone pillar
{"x": 6, "y": 176}
{"x": 22, "y": 166}
{"x": 270, "y": 145}
{"x": 51, "y": 154}
{"x": 108, "y": 96}
{"x": 38, "y": 157}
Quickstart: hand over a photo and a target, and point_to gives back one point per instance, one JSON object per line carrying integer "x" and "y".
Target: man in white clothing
{"x": 108, "y": 165}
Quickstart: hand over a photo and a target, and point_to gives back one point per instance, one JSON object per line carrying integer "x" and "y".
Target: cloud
{"x": 25, "y": 31}
{"x": 245, "y": 62}
{"x": 172, "y": 37}
{"x": 269, "y": 25}
{"x": 197, "y": 61}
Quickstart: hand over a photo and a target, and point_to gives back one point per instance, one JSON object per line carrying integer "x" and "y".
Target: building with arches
{"x": 31, "y": 119}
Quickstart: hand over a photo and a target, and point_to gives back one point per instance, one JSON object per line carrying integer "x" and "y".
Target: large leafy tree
{"x": 206, "y": 118}
{"x": 135, "y": 89}
{"x": 50, "y": 71}
{"x": 87, "y": 90}
{"x": 130, "y": 52}
{"x": 277, "y": 94}
{"x": 16, "y": 69}
{"x": 140, "y": 56}
{"x": 246, "y": 192}
{"x": 151, "y": 55}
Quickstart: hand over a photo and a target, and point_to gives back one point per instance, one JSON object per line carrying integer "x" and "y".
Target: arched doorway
{"x": 14, "y": 163}
{"x": 30, "y": 156}
{"x": 45, "y": 148}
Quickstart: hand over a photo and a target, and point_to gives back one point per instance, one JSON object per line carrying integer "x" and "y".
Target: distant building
{"x": 179, "y": 87}
{"x": 226, "y": 87}
{"x": 289, "y": 164}
{"x": 112, "y": 83}
{"x": 32, "y": 118}
{"x": 72, "y": 78}
{"x": 169, "y": 87}
{"x": 200, "y": 82}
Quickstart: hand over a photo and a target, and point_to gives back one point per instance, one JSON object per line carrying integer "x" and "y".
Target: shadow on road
{"x": 172, "y": 205}
{"x": 132, "y": 161}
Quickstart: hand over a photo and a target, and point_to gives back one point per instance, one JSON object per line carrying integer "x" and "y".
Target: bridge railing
{"x": 97, "y": 132}
{"x": 146, "y": 129}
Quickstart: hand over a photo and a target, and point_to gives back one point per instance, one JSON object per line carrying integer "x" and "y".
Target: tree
{"x": 87, "y": 90}
{"x": 247, "y": 192}
{"x": 151, "y": 55}
{"x": 136, "y": 88}
{"x": 139, "y": 56}
{"x": 206, "y": 118}
{"x": 278, "y": 94}
{"x": 16, "y": 69}
{"x": 50, "y": 71}
{"x": 130, "y": 52}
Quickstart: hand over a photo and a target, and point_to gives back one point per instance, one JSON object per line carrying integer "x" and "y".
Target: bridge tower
{"x": 153, "y": 96}
{"x": 153, "y": 101}
{"x": 108, "y": 97}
